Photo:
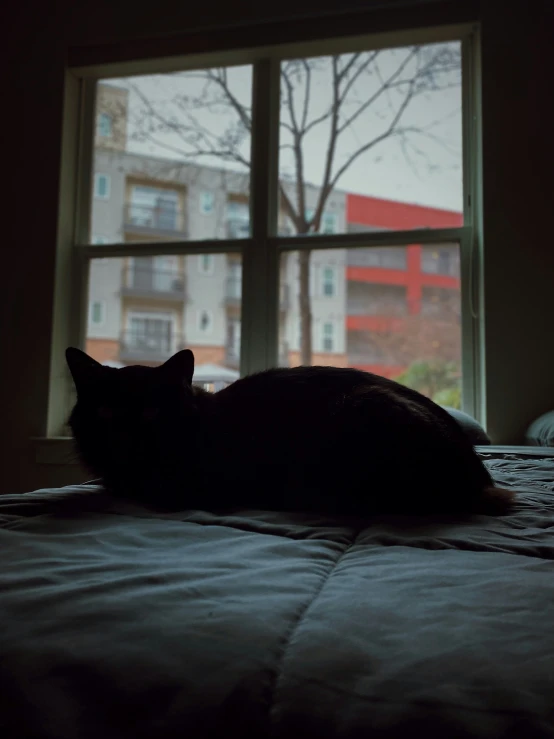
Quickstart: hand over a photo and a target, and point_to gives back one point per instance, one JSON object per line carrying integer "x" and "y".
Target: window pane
{"x": 378, "y": 137}
{"x": 388, "y": 314}
{"x": 152, "y": 307}
{"x": 176, "y": 150}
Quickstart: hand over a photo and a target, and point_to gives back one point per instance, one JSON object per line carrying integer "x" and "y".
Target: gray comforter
{"x": 117, "y": 621}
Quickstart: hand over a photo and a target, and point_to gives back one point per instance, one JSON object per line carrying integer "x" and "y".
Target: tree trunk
{"x": 304, "y": 300}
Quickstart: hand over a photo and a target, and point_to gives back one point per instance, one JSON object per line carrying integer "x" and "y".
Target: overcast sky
{"x": 427, "y": 171}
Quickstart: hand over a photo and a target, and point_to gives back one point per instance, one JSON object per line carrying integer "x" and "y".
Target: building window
{"x": 205, "y": 321}
{"x": 102, "y": 184}
{"x": 99, "y": 240}
{"x": 329, "y": 223}
{"x": 328, "y": 282}
{"x": 238, "y": 219}
{"x": 155, "y": 208}
{"x": 152, "y": 335}
{"x": 104, "y": 125}
{"x": 207, "y": 201}
{"x": 97, "y": 312}
{"x": 206, "y": 264}
{"x": 328, "y": 337}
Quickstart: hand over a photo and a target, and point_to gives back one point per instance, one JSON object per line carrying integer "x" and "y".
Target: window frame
{"x": 261, "y": 252}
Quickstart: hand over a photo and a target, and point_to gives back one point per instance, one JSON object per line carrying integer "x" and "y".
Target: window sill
{"x": 58, "y": 450}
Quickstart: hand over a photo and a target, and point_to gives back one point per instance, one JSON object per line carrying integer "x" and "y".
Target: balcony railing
{"x": 238, "y": 228}
{"x": 154, "y": 220}
{"x": 233, "y": 293}
{"x": 148, "y": 282}
{"x": 149, "y": 346}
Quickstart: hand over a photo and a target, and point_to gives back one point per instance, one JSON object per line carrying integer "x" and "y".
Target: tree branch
{"x": 373, "y": 142}
{"x": 348, "y": 122}
{"x": 239, "y": 109}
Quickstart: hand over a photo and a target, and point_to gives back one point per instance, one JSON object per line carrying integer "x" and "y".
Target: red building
{"x": 403, "y": 302}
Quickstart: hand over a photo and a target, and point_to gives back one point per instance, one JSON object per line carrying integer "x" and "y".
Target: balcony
{"x": 154, "y": 221}
{"x": 233, "y": 294}
{"x": 148, "y": 347}
{"x": 238, "y": 228}
{"x": 148, "y": 282}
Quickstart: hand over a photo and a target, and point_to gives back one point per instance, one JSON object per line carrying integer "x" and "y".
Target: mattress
{"x": 120, "y": 621}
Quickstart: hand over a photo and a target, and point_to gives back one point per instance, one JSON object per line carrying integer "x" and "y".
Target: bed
{"x": 120, "y": 621}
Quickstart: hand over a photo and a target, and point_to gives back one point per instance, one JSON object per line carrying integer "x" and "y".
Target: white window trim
{"x": 97, "y": 176}
{"x": 260, "y": 252}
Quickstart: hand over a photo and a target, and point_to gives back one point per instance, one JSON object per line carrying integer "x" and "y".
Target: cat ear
{"x": 180, "y": 366}
{"x": 82, "y": 367}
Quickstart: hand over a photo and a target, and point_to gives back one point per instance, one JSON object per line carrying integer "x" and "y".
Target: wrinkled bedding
{"x": 119, "y": 621}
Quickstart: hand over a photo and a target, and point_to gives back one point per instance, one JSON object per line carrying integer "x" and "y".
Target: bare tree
{"x": 382, "y": 83}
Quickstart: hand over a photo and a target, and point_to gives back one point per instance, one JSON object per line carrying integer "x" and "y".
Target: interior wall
{"x": 518, "y": 166}
{"x": 33, "y": 106}
{"x": 519, "y": 261}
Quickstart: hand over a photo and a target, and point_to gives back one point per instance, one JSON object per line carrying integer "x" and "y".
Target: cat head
{"x": 135, "y": 423}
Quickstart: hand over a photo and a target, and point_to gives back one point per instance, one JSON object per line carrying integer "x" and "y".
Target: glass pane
{"x": 151, "y": 307}
{"x": 172, "y": 157}
{"x": 372, "y": 141}
{"x": 388, "y": 313}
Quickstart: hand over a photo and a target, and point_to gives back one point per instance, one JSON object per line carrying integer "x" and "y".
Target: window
{"x": 102, "y": 186}
{"x": 149, "y": 336}
{"x": 396, "y": 189}
{"x": 99, "y": 240}
{"x": 207, "y": 201}
{"x": 104, "y": 125}
{"x": 152, "y": 306}
{"x": 97, "y": 312}
{"x": 206, "y": 264}
{"x": 205, "y": 321}
{"x": 401, "y": 325}
{"x": 328, "y": 282}
{"x": 156, "y": 158}
{"x": 238, "y": 219}
{"x": 328, "y": 343}
{"x": 154, "y": 208}
{"x": 329, "y": 223}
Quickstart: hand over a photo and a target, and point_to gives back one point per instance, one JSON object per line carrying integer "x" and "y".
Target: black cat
{"x": 311, "y": 438}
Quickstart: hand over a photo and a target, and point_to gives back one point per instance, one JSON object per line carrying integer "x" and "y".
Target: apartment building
{"x": 378, "y": 309}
